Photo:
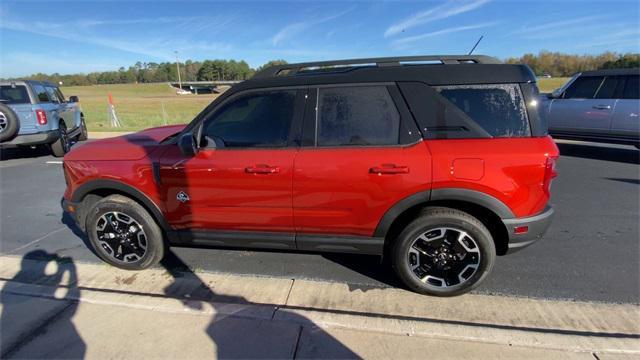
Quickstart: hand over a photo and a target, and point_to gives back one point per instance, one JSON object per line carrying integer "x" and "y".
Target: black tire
{"x": 84, "y": 135}
{"x": 9, "y": 123}
{"x": 155, "y": 246}
{"x": 433, "y": 220}
{"x": 62, "y": 145}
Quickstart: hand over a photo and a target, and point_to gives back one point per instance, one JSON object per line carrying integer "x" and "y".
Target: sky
{"x": 91, "y": 35}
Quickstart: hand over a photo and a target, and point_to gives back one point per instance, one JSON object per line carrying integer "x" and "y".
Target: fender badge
{"x": 182, "y": 197}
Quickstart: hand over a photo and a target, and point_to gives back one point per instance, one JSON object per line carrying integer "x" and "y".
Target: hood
{"x": 127, "y": 147}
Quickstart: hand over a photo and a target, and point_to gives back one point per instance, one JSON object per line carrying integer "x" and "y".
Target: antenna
{"x": 474, "y": 46}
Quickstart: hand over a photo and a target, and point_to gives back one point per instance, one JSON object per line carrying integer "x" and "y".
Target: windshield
{"x": 14, "y": 94}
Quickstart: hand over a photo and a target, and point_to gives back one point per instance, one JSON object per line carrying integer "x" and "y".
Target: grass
{"x": 140, "y": 106}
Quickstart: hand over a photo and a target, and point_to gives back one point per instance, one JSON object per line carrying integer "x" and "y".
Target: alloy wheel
{"x": 3, "y": 122}
{"x": 121, "y": 237}
{"x": 444, "y": 257}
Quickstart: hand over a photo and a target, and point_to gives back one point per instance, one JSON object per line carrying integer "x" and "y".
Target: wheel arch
{"x": 94, "y": 190}
{"x": 486, "y": 208}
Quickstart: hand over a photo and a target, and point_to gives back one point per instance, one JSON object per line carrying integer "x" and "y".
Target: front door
{"x": 241, "y": 178}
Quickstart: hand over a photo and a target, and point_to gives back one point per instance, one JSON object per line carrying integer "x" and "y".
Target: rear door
{"x": 361, "y": 154}
{"x": 586, "y": 106}
{"x": 626, "y": 116}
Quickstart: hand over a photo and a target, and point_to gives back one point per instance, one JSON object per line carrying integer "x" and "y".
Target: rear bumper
{"x": 46, "y": 137}
{"x": 537, "y": 227}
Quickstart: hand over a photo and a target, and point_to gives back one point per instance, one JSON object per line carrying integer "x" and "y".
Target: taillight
{"x": 42, "y": 117}
{"x": 549, "y": 173}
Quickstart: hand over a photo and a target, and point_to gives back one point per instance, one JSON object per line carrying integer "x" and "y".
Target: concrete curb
{"x": 561, "y": 325}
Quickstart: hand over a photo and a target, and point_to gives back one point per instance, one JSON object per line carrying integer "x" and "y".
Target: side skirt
{"x": 279, "y": 241}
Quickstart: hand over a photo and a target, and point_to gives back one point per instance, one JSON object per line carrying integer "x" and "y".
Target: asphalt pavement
{"x": 591, "y": 252}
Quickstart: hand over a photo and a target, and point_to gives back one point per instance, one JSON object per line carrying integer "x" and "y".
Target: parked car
{"x": 37, "y": 113}
{"x": 437, "y": 167}
{"x": 602, "y": 105}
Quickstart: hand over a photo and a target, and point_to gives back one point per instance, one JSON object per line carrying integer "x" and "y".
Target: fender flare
{"x": 424, "y": 197}
{"x": 120, "y": 187}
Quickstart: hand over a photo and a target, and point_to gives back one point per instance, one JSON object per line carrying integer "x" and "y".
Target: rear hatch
{"x": 17, "y": 98}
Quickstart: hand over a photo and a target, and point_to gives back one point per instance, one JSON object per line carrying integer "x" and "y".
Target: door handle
{"x": 602, "y": 107}
{"x": 389, "y": 169}
{"x": 262, "y": 169}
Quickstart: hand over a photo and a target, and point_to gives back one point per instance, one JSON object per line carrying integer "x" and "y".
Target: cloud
{"x": 547, "y": 29}
{"x": 410, "y": 39}
{"x": 437, "y": 13}
{"x": 297, "y": 27}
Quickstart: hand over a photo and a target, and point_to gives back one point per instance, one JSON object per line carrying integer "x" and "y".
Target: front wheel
{"x": 443, "y": 252}
{"x": 61, "y": 146}
{"x": 123, "y": 233}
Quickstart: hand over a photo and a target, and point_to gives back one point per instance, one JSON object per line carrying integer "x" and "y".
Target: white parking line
{"x": 35, "y": 241}
{"x": 54, "y": 162}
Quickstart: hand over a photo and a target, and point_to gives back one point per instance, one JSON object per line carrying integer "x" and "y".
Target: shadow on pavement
{"x": 16, "y": 308}
{"x": 629, "y": 156}
{"x": 24, "y": 152}
{"x": 629, "y": 181}
{"x": 242, "y": 338}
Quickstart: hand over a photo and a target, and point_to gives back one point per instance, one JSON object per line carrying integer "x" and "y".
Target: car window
{"x": 611, "y": 88}
{"x": 357, "y": 115}
{"x": 14, "y": 94}
{"x": 632, "y": 87}
{"x": 499, "y": 109}
{"x": 60, "y": 95}
{"x": 52, "y": 94}
{"x": 40, "y": 93}
{"x": 261, "y": 119}
{"x": 584, "y": 87}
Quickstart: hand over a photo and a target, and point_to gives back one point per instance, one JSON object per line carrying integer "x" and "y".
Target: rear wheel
{"x": 61, "y": 146}
{"x": 443, "y": 252}
{"x": 123, "y": 233}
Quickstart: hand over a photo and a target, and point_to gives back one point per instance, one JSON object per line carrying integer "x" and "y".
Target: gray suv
{"x": 36, "y": 113}
{"x": 601, "y": 105}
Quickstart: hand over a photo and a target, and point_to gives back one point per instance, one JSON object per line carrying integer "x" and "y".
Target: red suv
{"x": 437, "y": 163}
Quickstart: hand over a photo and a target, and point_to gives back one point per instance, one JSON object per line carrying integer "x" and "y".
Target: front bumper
{"x": 74, "y": 211}
{"x": 537, "y": 226}
{"x": 45, "y": 137}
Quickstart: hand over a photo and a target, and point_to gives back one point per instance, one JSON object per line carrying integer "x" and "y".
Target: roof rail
{"x": 293, "y": 69}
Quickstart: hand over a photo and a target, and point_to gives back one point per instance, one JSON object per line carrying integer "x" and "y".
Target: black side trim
{"x": 239, "y": 239}
{"x": 121, "y": 187}
{"x": 399, "y": 208}
{"x": 341, "y": 244}
{"x": 475, "y": 197}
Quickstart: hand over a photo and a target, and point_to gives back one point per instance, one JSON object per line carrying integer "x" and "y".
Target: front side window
{"x": 41, "y": 93}
{"x": 357, "y": 115}
{"x": 498, "y": 109}
{"x": 52, "y": 94}
{"x": 584, "y": 87}
{"x": 14, "y": 94}
{"x": 261, "y": 119}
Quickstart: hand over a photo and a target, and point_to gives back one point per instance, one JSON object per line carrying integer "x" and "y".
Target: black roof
{"x": 432, "y": 70}
{"x": 611, "y": 72}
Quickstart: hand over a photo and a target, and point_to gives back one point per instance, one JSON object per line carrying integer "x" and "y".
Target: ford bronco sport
{"x": 437, "y": 163}
{"x": 34, "y": 113}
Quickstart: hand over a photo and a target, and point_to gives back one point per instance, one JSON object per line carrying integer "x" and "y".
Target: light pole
{"x": 178, "y": 67}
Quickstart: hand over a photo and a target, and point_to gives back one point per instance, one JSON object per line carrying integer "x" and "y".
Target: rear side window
{"x": 357, "y": 116}
{"x": 498, "y": 109}
{"x": 41, "y": 93}
{"x": 632, "y": 87}
{"x": 584, "y": 87}
{"x": 14, "y": 94}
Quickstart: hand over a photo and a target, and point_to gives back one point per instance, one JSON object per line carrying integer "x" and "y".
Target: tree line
{"x": 143, "y": 72}
{"x": 558, "y": 64}
{"x": 544, "y": 63}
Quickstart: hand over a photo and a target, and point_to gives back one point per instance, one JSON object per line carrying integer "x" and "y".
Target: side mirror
{"x": 187, "y": 144}
{"x": 73, "y": 99}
